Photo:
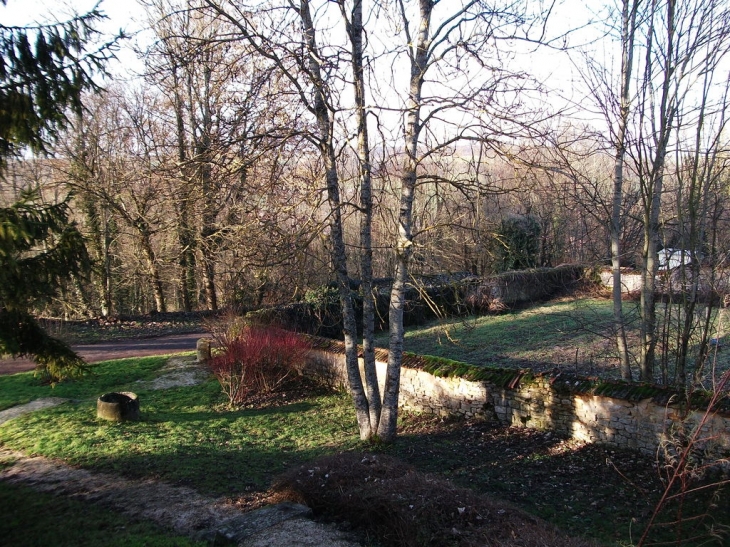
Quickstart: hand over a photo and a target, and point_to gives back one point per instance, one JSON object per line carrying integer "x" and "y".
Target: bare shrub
{"x": 225, "y": 328}
{"x": 695, "y": 480}
{"x": 257, "y": 361}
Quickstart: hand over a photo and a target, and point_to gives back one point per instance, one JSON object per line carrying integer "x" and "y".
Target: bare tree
{"x": 302, "y": 61}
{"x": 679, "y": 38}
{"x": 449, "y": 42}
{"x": 113, "y": 171}
{"x": 355, "y": 32}
{"x": 226, "y": 115}
{"x": 629, "y": 10}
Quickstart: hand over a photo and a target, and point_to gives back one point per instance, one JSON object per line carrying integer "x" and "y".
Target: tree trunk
{"x": 627, "y": 43}
{"x": 204, "y": 174}
{"x": 339, "y": 255}
{"x": 185, "y": 231}
{"x": 106, "y": 266}
{"x": 654, "y": 187}
{"x": 211, "y": 299}
{"x": 355, "y": 31}
{"x": 154, "y": 271}
{"x": 404, "y": 244}
{"x": 186, "y": 260}
{"x": 648, "y": 290}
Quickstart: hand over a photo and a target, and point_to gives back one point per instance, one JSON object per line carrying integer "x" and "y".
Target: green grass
{"x": 117, "y": 375}
{"x": 186, "y": 434}
{"x": 574, "y": 334}
{"x": 30, "y": 519}
{"x": 511, "y": 339}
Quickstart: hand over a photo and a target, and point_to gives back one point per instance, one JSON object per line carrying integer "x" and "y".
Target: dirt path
{"x": 120, "y": 349}
{"x": 38, "y": 404}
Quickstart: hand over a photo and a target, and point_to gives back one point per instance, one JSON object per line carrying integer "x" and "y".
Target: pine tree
{"x": 44, "y": 72}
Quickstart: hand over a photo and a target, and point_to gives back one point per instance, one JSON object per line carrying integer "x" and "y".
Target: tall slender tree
{"x": 629, "y": 11}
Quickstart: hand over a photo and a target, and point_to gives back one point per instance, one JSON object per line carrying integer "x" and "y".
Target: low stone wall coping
{"x": 629, "y": 415}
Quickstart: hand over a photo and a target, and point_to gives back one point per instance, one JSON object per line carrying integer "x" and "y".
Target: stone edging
{"x": 636, "y": 416}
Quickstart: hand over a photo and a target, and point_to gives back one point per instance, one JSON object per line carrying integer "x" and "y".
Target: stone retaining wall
{"x": 541, "y": 402}
{"x": 673, "y": 281}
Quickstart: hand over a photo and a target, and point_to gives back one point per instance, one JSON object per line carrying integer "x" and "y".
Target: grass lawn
{"x": 30, "y": 518}
{"x": 572, "y": 335}
{"x": 187, "y": 436}
{"x": 549, "y": 334}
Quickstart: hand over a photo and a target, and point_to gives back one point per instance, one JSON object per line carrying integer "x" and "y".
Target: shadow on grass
{"x": 157, "y": 416}
{"x": 587, "y": 490}
{"x": 33, "y": 518}
{"x": 181, "y": 441}
{"x": 487, "y": 339}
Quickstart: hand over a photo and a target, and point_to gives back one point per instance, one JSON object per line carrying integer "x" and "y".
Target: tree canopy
{"x": 44, "y": 72}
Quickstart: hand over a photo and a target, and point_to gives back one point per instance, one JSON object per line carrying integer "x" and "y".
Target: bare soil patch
{"x": 407, "y": 508}
{"x": 180, "y": 372}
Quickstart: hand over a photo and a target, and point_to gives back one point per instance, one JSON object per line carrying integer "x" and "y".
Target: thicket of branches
{"x": 210, "y": 181}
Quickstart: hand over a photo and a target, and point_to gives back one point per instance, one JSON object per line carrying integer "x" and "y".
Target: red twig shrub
{"x": 259, "y": 360}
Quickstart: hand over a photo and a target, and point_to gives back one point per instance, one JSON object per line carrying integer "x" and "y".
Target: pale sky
{"x": 129, "y": 15}
{"x": 551, "y": 67}
{"x": 122, "y": 14}
{"x": 18, "y": 12}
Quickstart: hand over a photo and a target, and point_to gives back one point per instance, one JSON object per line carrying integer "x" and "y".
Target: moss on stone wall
{"x": 559, "y": 383}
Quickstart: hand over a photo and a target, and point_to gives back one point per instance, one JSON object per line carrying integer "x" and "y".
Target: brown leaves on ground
{"x": 404, "y": 507}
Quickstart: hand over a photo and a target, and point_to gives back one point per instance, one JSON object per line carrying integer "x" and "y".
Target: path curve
{"x": 116, "y": 349}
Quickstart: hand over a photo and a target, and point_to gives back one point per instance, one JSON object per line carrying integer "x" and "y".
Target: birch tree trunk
{"x": 418, "y": 54}
{"x": 355, "y": 33}
{"x": 628, "y": 30}
{"x": 339, "y": 254}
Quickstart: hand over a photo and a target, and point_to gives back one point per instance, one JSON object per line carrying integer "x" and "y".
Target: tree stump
{"x": 118, "y": 407}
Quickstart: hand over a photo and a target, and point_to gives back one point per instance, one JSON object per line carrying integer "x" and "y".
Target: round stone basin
{"x": 118, "y": 406}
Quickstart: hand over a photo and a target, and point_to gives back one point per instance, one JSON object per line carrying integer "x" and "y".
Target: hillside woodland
{"x": 300, "y": 152}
